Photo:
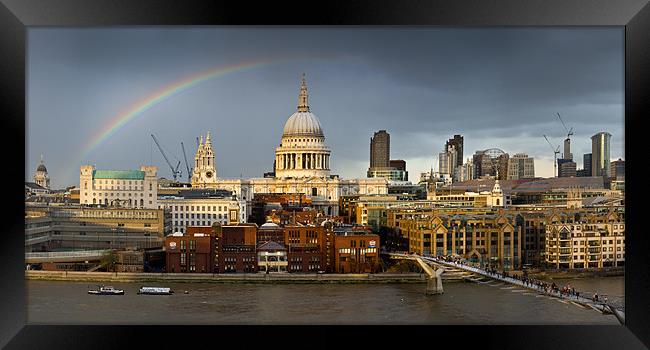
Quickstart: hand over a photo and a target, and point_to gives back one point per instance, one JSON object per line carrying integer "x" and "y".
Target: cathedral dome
{"x": 303, "y": 123}
{"x": 42, "y": 168}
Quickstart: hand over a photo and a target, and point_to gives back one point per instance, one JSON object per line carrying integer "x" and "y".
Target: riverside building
{"x": 203, "y": 207}
{"x": 585, "y": 240}
{"x": 119, "y": 188}
{"x": 483, "y": 236}
{"x": 49, "y": 228}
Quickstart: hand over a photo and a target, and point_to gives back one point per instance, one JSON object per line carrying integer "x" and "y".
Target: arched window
{"x": 142, "y": 202}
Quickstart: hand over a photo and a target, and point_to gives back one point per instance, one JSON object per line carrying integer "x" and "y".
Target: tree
{"x": 109, "y": 259}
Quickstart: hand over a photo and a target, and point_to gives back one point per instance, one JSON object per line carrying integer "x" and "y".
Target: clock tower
{"x": 204, "y": 173}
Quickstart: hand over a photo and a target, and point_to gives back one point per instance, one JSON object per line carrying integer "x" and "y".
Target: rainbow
{"x": 164, "y": 93}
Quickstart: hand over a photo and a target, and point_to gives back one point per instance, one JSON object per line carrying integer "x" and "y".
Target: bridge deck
{"x": 600, "y": 306}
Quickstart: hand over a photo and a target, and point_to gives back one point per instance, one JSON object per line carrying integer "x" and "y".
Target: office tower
{"x": 600, "y": 160}
{"x": 380, "y": 150}
{"x": 617, "y": 168}
{"x": 586, "y": 165}
{"x": 521, "y": 166}
{"x": 457, "y": 142}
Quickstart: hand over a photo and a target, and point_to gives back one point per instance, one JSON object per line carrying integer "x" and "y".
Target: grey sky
{"x": 498, "y": 87}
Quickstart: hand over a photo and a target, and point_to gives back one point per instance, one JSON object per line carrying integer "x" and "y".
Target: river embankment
{"x": 79, "y": 276}
{"x": 570, "y": 274}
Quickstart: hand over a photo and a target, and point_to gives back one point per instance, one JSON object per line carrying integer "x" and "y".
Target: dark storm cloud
{"x": 499, "y": 87}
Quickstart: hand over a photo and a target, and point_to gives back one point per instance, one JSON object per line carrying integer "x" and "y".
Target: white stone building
{"x": 125, "y": 188}
{"x": 202, "y": 209}
{"x": 302, "y": 166}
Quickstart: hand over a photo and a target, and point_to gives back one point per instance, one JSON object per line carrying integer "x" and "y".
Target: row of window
{"x": 120, "y": 182}
{"x": 596, "y": 249}
{"x": 199, "y": 216}
{"x": 200, "y": 208}
{"x": 130, "y": 204}
{"x": 593, "y": 257}
{"x": 120, "y": 188}
{"x": 353, "y": 250}
{"x": 551, "y": 243}
{"x": 198, "y": 223}
{"x": 112, "y": 194}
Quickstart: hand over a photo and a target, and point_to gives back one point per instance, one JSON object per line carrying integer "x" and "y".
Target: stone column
{"x": 444, "y": 241}
{"x": 512, "y": 249}
{"x": 519, "y": 245}
{"x": 453, "y": 240}
{"x": 500, "y": 249}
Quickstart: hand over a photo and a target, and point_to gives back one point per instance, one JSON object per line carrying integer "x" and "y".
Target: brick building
{"x": 190, "y": 252}
{"x": 356, "y": 251}
{"x": 235, "y": 248}
{"x": 306, "y": 248}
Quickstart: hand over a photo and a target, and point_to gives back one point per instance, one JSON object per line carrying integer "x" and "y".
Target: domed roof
{"x": 270, "y": 224}
{"x": 41, "y": 167}
{"x": 302, "y": 123}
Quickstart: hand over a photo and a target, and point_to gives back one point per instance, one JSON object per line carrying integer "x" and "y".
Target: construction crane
{"x": 556, "y": 151}
{"x": 567, "y": 141}
{"x": 175, "y": 171}
{"x": 189, "y": 173}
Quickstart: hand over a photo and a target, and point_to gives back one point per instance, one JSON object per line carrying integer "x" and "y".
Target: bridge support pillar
{"x": 434, "y": 283}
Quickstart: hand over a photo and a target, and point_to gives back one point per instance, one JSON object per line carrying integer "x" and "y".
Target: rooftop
{"x": 118, "y": 174}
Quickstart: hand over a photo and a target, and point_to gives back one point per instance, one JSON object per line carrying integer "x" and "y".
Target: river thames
{"x": 60, "y": 302}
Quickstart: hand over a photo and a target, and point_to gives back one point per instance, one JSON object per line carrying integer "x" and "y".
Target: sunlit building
{"x": 302, "y": 165}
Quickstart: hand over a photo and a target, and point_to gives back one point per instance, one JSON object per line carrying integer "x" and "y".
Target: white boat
{"x": 106, "y": 290}
{"x": 155, "y": 291}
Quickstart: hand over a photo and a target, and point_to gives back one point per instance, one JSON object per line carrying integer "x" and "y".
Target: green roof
{"x": 118, "y": 174}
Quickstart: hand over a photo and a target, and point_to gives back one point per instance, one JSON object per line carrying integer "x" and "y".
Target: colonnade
{"x": 302, "y": 160}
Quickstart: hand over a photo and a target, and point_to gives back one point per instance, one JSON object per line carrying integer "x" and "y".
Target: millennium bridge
{"x": 434, "y": 268}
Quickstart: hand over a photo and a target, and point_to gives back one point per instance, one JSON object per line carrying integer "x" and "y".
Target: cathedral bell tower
{"x": 41, "y": 177}
{"x": 204, "y": 173}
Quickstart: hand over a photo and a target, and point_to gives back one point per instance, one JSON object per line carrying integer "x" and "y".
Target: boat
{"x": 155, "y": 291}
{"x": 106, "y": 290}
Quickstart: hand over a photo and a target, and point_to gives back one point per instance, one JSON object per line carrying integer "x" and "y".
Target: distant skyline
{"x": 91, "y": 94}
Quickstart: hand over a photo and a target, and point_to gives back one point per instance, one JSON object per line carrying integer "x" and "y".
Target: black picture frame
{"x": 16, "y": 15}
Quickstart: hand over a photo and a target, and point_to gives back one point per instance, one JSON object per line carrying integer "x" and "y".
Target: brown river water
{"x": 58, "y": 302}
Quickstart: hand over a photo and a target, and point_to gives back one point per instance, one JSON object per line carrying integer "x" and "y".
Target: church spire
{"x": 207, "y": 138}
{"x": 303, "y": 104}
